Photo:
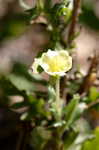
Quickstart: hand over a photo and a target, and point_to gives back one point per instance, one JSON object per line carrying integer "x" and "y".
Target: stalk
{"x": 58, "y": 107}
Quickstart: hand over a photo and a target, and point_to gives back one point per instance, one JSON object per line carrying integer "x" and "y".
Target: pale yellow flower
{"x": 54, "y": 62}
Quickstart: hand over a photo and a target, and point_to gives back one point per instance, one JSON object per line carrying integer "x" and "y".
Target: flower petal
{"x": 35, "y": 65}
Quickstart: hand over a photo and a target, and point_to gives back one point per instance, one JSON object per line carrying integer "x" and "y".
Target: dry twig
{"x": 75, "y": 14}
{"x": 74, "y": 20}
{"x": 91, "y": 75}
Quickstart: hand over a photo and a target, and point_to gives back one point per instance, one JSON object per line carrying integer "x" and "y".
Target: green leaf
{"x": 39, "y": 137}
{"x": 72, "y": 111}
{"x": 60, "y": 9}
{"x": 8, "y": 88}
{"x": 68, "y": 109}
{"x": 48, "y": 6}
{"x": 21, "y": 83}
{"x": 82, "y": 137}
{"x": 51, "y": 93}
{"x": 93, "y": 144}
{"x": 24, "y": 116}
{"x": 23, "y": 70}
{"x": 19, "y": 105}
{"x": 89, "y": 18}
{"x": 37, "y": 108}
{"x": 40, "y": 69}
{"x": 81, "y": 125}
{"x": 33, "y": 13}
{"x": 68, "y": 141}
{"x": 76, "y": 141}
{"x": 23, "y": 80}
{"x": 59, "y": 124}
{"x": 93, "y": 94}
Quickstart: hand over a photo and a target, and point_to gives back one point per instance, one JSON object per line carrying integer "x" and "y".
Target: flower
{"x": 53, "y": 62}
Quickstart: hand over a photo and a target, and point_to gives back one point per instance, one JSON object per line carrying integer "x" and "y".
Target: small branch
{"x": 74, "y": 19}
{"x": 91, "y": 75}
{"x": 93, "y": 103}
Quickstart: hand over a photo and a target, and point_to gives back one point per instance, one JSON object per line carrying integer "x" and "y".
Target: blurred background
{"x": 20, "y": 41}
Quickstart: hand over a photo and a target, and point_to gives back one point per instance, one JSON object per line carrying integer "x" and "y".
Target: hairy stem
{"x": 57, "y": 90}
{"x": 58, "y": 107}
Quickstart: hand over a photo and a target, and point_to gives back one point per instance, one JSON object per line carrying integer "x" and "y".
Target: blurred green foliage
{"x": 93, "y": 144}
{"x": 89, "y": 18}
{"x": 13, "y": 26}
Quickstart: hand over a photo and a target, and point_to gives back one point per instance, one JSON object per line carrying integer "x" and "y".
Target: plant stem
{"x": 58, "y": 95}
{"x": 57, "y": 90}
{"x": 92, "y": 104}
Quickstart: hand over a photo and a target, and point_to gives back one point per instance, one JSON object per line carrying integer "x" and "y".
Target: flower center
{"x": 56, "y": 63}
